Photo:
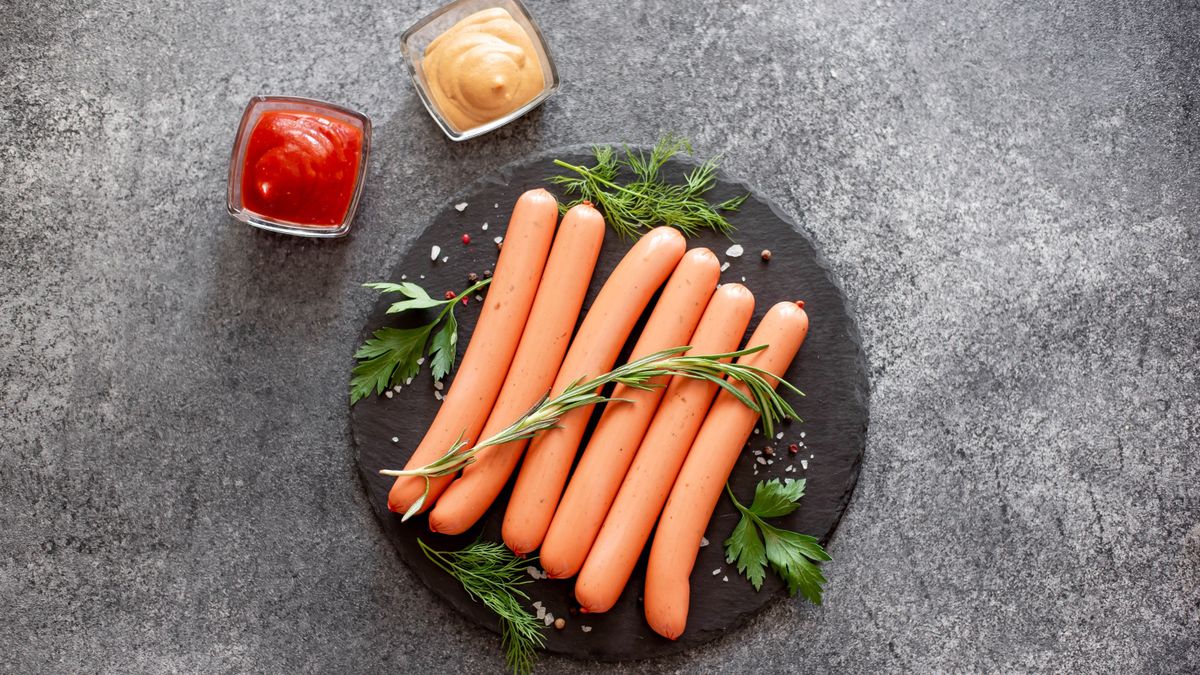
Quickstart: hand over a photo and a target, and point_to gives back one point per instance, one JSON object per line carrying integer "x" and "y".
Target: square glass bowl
{"x": 254, "y": 111}
{"x": 414, "y": 41}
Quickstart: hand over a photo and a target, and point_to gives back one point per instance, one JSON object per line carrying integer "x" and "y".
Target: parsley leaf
{"x": 443, "y": 346}
{"x": 393, "y": 356}
{"x": 792, "y": 555}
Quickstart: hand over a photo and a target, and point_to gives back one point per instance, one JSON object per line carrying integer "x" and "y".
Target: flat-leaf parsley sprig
{"x": 491, "y": 574}
{"x": 760, "y": 397}
{"x": 792, "y": 555}
{"x": 649, "y": 200}
{"x": 393, "y": 356}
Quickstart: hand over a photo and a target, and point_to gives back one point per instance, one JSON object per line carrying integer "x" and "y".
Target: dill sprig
{"x": 649, "y": 200}
{"x": 491, "y": 574}
{"x": 759, "y": 396}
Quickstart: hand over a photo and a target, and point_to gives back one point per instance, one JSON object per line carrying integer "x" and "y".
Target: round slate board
{"x": 830, "y": 369}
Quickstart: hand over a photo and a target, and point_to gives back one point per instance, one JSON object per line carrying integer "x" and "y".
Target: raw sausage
{"x": 609, "y": 452}
{"x": 592, "y": 352}
{"x": 486, "y": 361}
{"x": 645, "y": 488}
{"x": 543, "y": 344}
{"x": 711, "y": 459}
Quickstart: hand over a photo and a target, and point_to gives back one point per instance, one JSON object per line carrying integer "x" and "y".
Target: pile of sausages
{"x": 662, "y": 457}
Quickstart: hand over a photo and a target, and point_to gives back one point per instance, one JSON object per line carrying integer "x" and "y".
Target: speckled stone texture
{"x": 1009, "y": 192}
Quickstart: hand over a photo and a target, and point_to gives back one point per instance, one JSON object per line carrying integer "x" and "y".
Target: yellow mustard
{"x": 481, "y": 69}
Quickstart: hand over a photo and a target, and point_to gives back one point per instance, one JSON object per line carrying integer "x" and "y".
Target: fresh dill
{"x": 491, "y": 574}
{"x": 648, "y": 200}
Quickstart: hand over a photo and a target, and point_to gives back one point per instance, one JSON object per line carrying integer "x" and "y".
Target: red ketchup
{"x": 301, "y": 167}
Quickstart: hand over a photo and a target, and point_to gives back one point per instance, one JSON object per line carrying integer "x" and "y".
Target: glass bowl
{"x": 254, "y": 111}
{"x": 414, "y": 41}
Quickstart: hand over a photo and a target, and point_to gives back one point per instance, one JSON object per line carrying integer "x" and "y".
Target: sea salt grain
{"x": 724, "y": 266}
{"x": 479, "y": 298}
{"x": 437, "y": 384}
{"x": 445, "y": 258}
{"x": 586, "y": 629}
{"x": 388, "y": 393}
{"x": 734, "y": 251}
{"x": 434, "y": 253}
{"x": 716, "y": 571}
{"x": 460, "y": 206}
{"x": 725, "y": 578}
{"x": 438, "y": 395}
{"x": 484, "y": 226}
{"x": 760, "y": 460}
{"x": 703, "y": 542}
{"x": 779, "y": 435}
{"x": 403, "y": 277}
{"x": 549, "y": 618}
{"x": 804, "y": 464}
{"x": 395, "y": 439}
{"x": 421, "y": 360}
{"x": 499, "y": 240}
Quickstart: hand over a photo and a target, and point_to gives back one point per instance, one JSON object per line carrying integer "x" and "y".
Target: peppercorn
{"x": 766, "y": 254}
{"x": 450, "y": 295}
{"x": 793, "y": 448}
{"x": 768, "y": 450}
{"x": 472, "y": 277}
{"x": 560, "y": 623}
{"x": 487, "y": 274}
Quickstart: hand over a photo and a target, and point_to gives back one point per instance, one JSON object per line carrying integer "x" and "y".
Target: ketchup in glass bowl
{"x": 298, "y": 166}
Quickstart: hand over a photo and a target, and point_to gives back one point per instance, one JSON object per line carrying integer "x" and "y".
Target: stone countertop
{"x": 1009, "y": 193}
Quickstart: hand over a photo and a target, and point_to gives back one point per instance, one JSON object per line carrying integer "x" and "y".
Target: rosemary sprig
{"x": 490, "y": 573}
{"x": 759, "y": 396}
{"x": 649, "y": 200}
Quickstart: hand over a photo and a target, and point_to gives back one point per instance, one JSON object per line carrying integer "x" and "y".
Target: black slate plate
{"x": 830, "y": 370}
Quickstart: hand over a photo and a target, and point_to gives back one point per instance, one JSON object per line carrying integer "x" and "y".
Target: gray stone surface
{"x": 1009, "y": 192}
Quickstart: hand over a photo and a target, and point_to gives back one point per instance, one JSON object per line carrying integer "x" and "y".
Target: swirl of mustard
{"x": 481, "y": 69}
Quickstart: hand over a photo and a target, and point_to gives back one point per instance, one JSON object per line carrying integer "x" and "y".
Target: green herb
{"x": 761, "y": 398}
{"x": 648, "y": 200}
{"x": 792, "y": 555}
{"x": 490, "y": 573}
{"x": 394, "y": 356}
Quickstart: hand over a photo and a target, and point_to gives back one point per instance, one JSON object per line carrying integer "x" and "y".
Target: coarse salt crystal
{"x": 541, "y": 613}
{"x": 716, "y": 571}
{"x": 770, "y": 462}
{"x": 496, "y": 205}
{"x": 734, "y": 251}
{"x": 403, "y": 277}
{"x": 484, "y": 226}
{"x": 789, "y": 469}
{"x": 395, "y": 439}
{"x": 445, "y": 258}
{"x": 803, "y": 434}
{"x": 760, "y": 460}
{"x": 460, "y": 206}
{"x": 499, "y": 240}
{"x": 434, "y": 253}
{"x": 779, "y": 435}
{"x": 757, "y": 452}
{"x": 437, "y": 384}
{"x": 804, "y": 464}
{"x": 811, "y": 456}
{"x": 396, "y": 389}
{"x": 703, "y": 542}
{"x": 743, "y": 280}
{"x": 422, "y": 276}
{"x": 388, "y": 393}
{"x": 725, "y": 578}
{"x": 549, "y": 618}
{"x": 724, "y": 266}
{"x": 421, "y": 360}
{"x": 408, "y": 381}
{"x": 479, "y": 298}
{"x": 438, "y": 395}
{"x": 586, "y": 629}
{"x": 533, "y": 572}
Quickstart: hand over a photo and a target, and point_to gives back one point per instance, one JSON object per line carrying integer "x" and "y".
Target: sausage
{"x": 603, "y": 332}
{"x": 707, "y": 467}
{"x": 539, "y": 355}
{"x": 608, "y": 454}
{"x": 486, "y": 361}
{"x": 634, "y": 511}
